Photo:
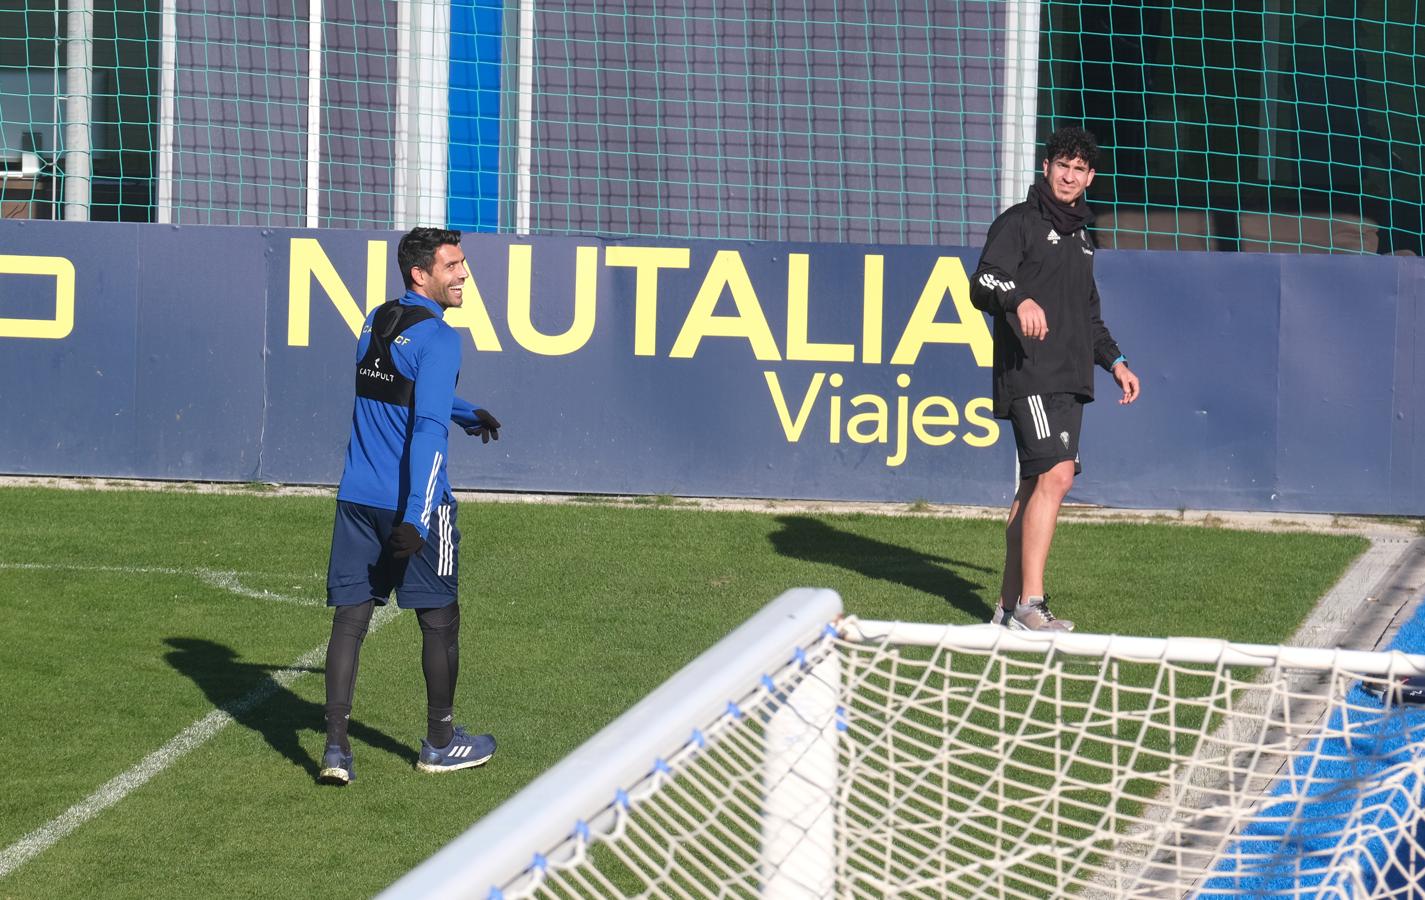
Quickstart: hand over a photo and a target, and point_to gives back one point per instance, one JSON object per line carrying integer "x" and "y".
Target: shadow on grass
{"x": 806, "y": 538}
{"x": 255, "y": 699}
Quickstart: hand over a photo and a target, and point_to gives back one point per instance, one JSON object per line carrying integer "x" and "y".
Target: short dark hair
{"x": 417, "y": 249}
{"x": 1071, "y": 142}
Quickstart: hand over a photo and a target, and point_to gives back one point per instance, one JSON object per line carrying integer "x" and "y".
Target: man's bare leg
{"x": 1009, "y": 588}
{"x": 1040, "y": 515}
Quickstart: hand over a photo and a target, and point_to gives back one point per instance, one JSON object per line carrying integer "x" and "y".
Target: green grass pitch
{"x": 129, "y": 619}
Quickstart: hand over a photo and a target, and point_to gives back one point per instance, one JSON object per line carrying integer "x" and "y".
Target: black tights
{"x": 440, "y": 661}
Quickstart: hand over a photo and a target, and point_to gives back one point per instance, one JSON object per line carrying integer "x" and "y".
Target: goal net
{"x": 809, "y": 755}
{"x": 1291, "y": 127}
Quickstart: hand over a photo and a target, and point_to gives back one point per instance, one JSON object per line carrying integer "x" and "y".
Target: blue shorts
{"x": 361, "y": 568}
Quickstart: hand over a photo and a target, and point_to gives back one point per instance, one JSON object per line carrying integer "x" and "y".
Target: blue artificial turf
{"x": 1340, "y": 824}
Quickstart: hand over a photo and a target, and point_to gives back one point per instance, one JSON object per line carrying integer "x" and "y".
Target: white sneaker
{"x": 1032, "y": 614}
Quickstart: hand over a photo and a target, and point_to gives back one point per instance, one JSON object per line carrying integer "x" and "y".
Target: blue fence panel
{"x": 476, "y": 34}
{"x": 1335, "y": 407}
{"x": 709, "y": 368}
{"x": 160, "y": 375}
{"x": 1205, "y": 426}
{"x": 199, "y": 372}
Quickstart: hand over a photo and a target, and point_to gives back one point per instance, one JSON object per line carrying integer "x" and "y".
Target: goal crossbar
{"x": 1208, "y": 651}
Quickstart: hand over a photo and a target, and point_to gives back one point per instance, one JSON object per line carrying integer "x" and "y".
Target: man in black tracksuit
{"x": 1036, "y": 278}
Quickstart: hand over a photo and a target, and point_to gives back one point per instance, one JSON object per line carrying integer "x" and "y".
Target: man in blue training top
{"x": 395, "y": 514}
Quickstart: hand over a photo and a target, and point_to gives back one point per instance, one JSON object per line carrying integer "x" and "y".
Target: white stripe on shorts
{"x": 446, "y": 566}
{"x": 1041, "y": 421}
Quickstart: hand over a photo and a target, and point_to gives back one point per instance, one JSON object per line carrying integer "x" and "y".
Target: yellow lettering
{"x": 646, "y": 261}
{"x": 835, "y": 434}
{"x": 878, "y": 416}
{"x": 473, "y": 315}
{"x": 873, "y": 294}
{"x": 974, "y": 415}
{"x": 62, "y": 270}
{"x": 376, "y": 263}
{"x": 898, "y": 456}
{"x": 793, "y": 429}
{"x": 307, "y": 259}
{"x": 922, "y": 420}
{"x": 948, "y": 277}
{"x": 798, "y": 347}
{"x": 585, "y": 296}
{"x": 726, "y": 273}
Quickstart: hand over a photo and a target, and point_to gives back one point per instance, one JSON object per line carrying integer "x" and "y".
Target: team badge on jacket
{"x": 1053, "y": 237}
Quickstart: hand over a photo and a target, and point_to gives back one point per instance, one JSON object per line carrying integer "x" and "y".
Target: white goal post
{"x": 811, "y": 755}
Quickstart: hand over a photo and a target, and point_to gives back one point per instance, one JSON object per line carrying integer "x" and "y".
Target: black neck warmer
{"x": 1067, "y": 219}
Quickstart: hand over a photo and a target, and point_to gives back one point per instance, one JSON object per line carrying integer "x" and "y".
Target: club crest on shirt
{"x": 1053, "y": 237}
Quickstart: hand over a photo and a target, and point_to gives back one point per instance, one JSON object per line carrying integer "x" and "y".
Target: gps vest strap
{"x": 376, "y": 374}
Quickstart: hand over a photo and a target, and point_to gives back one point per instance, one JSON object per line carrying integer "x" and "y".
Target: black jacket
{"x": 1024, "y": 257}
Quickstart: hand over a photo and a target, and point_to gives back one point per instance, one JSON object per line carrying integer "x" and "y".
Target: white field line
{"x": 218, "y": 578}
{"x": 191, "y": 738}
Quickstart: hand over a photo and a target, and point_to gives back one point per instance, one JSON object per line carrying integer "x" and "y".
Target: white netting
{"x": 977, "y": 763}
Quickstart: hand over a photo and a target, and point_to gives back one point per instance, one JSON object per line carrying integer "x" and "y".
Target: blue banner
{"x": 708, "y": 368}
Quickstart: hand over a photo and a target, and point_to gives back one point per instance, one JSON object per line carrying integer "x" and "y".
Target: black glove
{"x": 486, "y": 426}
{"x": 405, "y": 541}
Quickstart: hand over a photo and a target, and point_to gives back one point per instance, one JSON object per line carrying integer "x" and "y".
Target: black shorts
{"x": 1046, "y": 431}
{"x": 361, "y": 567}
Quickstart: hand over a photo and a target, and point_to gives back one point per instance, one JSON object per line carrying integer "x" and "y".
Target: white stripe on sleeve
{"x": 430, "y": 490}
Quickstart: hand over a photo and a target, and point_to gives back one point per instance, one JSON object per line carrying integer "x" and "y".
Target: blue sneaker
{"x": 465, "y": 751}
{"x": 336, "y": 766}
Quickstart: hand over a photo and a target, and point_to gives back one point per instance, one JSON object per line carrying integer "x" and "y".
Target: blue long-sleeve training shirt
{"x": 396, "y": 456}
